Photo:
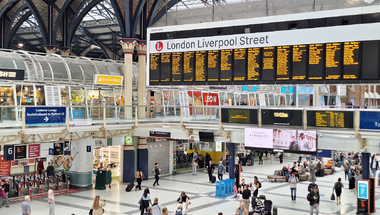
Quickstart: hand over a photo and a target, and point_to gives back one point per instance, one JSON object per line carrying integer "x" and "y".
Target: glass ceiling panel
{"x": 194, "y": 4}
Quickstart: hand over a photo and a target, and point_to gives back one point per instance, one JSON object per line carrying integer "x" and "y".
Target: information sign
{"x": 34, "y": 151}
{"x": 9, "y": 152}
{"x": 5, "y": 167}
{"x": 45, "y": 115}
{"x": 20, "y": 152}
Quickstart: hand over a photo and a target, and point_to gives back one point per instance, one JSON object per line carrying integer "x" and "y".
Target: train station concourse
{"x": 190, "y": 107}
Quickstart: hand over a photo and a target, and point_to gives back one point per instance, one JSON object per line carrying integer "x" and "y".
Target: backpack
{"x": 2, "y": 193}
{"x": 154, "y": 171}
{"x": 338, "y": 186}
{"x": 259, "y": 184}
{"x": 308, "y": 197}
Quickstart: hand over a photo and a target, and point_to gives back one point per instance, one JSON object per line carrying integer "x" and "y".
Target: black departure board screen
{"x": 351, "y": 60}
{"x": 316, "y": 61}
{"x": 166, "y": 67}
{"x": 200, "y": 66}
{"x": 268, "y": 71}
{"x": 188, "y": 66}
{"x": 370, "y": 60}
{"x": 332, "y": 119}
{"x": 299, "y": 60}
{"x": 243, "y": 116}
{"x": 154, "y": 68}
{"x": 240, "y": 64}
{"x": 283, "y": 63}
{"x": 177, "y": 66}
{"x": 253, "y": 68}
{"x": 20, "y": 152}
{"x": 226, "y": 65}
{"x": 281, "y": 117}
{"x": 333, "y": 61}
{"x": 213, "y": 66}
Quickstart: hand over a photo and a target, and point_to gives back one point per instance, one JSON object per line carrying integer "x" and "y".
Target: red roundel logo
{"x": 159, "y": 46}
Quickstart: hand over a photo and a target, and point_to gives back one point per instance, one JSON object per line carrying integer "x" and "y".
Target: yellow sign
{"x": 108, "y": 79}
{"x": 281, "y": 115}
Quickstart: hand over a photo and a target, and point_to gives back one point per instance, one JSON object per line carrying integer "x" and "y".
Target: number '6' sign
{"x": 9, "y": 152}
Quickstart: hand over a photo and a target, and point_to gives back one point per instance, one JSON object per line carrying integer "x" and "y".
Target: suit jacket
{"x": 245, "y": 211}
{"x": 377, "y": 164}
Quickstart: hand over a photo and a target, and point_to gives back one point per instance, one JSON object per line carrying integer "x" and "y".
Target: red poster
{"x": 34, "y": 151}
{"x": 5, "y": 167}
{"x": 210, "y": 99}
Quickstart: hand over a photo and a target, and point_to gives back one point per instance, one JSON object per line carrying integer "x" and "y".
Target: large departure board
{"x": 200, "y": 66}
{"x": 370, "y": 60}
{"x": 269, "y": 71}
{"x": 333, "y": 61}
{"x": 340, "y": 62}
{"x": 177, "y": 67}
{"x": 166, "y": 67}
{"x": 154, "y": 68}
{"x": 333, "y": 119}
{"x": 253, "y": 68}
{"x": 283, "y": 63}
{"x": 240, "y": 65}
{"x": 299, "y": 60}
{"x": 188, "y": 67}
{"x": 213, "y": 66}
{"x": 316, "y": 61}
{"x": 226, "y": 65}
{"x": 351, "y": 60}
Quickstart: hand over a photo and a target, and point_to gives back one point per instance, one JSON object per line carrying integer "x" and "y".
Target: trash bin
{"x": 101, "y": 178}
{"x": 217, "y": 186}
{"x": 109, "y": 178}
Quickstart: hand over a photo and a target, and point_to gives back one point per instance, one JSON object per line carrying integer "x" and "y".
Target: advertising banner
{"x": 369, "y": 120}
{"x": 210, "y": 99}
{"x": 44, "y": 149}
{"x": 20, "y": 152}
{"x": 259, "y": 138}
{"x": 34, "y": 151}
{"x": 12, "y": 74}
{"x": 45, "y": 115}
{"x": 5, "y": 167}
{"x": 108, "y": 79}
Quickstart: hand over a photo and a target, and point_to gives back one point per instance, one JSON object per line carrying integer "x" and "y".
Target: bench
{"x": 278, "y": 177}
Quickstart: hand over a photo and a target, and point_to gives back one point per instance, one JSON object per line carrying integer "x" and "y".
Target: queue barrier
{"x": 224, "y": 188}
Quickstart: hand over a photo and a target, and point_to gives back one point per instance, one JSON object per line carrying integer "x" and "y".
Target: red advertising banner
{"x": 34, "y": 151}
{"x": 210, "y": 99}
{"x": 5, "y": 167}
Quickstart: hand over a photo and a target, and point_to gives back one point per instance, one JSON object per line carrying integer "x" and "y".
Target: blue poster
{"x": 51, "y": 151}
{"x": 250, "y": 88}
{"x": 88, "y": 148}
{"x": 9, "y": 152}
{"x": 45, "y": 115}
{"x": 369, "y": 120}
{"x": 363, "y": 189}
{"x": 286, "y": 89}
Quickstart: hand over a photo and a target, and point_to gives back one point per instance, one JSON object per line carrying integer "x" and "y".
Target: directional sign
{"x": 45, "y": 115}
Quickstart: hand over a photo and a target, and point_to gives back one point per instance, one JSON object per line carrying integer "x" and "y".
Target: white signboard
{"x": 259, "y": 138}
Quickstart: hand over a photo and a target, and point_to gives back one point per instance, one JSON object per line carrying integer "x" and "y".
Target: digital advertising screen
{"x": 241, "y": 116}
{"x": 295, "y": 141}
{"x": 281, "y": 117}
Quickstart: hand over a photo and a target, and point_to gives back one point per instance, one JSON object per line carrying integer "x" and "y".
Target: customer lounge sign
{"x": 12, "y": 74}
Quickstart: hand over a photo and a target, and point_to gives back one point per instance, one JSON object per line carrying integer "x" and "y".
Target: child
{"x": 235, "y": 190}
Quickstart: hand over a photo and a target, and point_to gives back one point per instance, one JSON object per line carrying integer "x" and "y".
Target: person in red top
{"x": 40, "y": 166}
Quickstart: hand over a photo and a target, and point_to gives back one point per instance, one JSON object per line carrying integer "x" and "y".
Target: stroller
{"x": 261, "y": 206}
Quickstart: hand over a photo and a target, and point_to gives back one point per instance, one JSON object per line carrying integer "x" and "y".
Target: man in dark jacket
{"x": 312, "y": 185}
{"x": 5, "y": 187}
{"x": 207, "y": 159}
{"x": 313, "y": 198}
{"x": 210, "y": 170}
{"x": 156, "y": 173}
{"x": 50, "y": 170}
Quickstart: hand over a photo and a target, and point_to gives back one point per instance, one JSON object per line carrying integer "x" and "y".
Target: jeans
{"x": 220, "y": 176}
{"x": 293, "y": 193}
{"x": 374, "y": 172}
{"x": 51, "y": 209}
{"x": 312, "y": 207}
{"x": 156, "y": 180}
{"x": 194, "y": 170}
{"x": 312, "y": 175}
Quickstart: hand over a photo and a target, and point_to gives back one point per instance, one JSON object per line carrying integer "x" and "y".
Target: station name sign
{"x": 12, "y": 74}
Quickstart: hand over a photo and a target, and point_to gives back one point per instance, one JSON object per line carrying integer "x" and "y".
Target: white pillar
{"x": 141, "y": 86}
{"x": 128, "y": 45}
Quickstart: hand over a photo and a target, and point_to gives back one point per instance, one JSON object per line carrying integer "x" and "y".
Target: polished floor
{"x": 202, "y": 196}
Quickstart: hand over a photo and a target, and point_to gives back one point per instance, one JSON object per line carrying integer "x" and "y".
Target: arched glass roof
{"x": 40, "y": 67}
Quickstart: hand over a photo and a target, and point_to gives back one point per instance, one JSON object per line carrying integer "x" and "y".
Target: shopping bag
{"x": 332, "y": 197}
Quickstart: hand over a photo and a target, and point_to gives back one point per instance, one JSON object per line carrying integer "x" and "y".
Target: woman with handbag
{"x": 139, "y": 177}
{"x": 145, "y": 201}
{"x": 184, "y": 200}
{"x": 338, "y": 186}
{"x": 156, "y": 208}
{"x": 97, "y": 206}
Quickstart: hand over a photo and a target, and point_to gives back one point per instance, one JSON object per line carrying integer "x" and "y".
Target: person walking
{"x": 257, "y": 184}
{"x": 25, "y": 206}
{"x": 51, "y": 202}
{"x": 293, "y": 181}
{"x": 184, "y": 199}
{"x": 338, "y": 190}
{"x": 40, "y": 166}
{"x": 139, "y": 177}
{"x": 241, "y": 210}
{"x": 97, "y": 206}
{"x": 165, "y": 211}
{"x": 179, "y": 210}
{"x": 312, "y": 170}
{"x": 313, "y": 198}
{"x": 221, "y": 170}
{"x": 145, "y": 201}
{"x": 208, "y": 158}
{"x": 281, "y": 156}
{"x": 312, "y": 185}
{"x": 374, "y": 166}
{"x": 210, "y": 170}
{"x": 50, "y": 170}
{"x": 351, "y": 180}
{"x": 5, "y": 188}
{"x": 156, "y": 174}
{"x": 347, "y": 168}
{"x": 261, "y": 158}
{"x": 246, "y": 195}
{"x": 194, "y": 165}
{"x": 156, "y": 207}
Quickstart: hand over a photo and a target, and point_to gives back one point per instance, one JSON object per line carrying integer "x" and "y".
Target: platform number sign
{"x": 128, "y": 140}
{"x": 9, "y": 151}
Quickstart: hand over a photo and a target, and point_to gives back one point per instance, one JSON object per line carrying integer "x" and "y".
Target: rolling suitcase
{"x": 130, "y": 187}
{"x": 321, "y": 172}
{"x": 213, "y": 179}
{"x": 275, "y": 211}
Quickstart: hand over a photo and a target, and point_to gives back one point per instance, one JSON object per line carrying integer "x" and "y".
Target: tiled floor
{"x": 202, "y": 194}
